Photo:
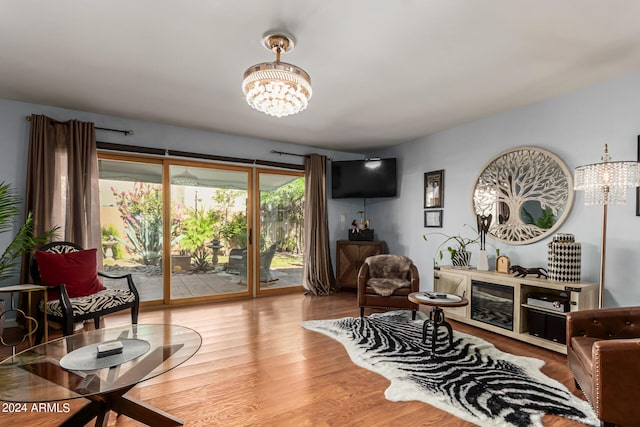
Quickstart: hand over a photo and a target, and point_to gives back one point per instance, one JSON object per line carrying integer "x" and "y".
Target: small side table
{"x": 29, "y": 289}
{"x": 436, "y": 315}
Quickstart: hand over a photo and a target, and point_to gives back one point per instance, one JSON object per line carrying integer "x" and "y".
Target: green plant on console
{"x": 458, "y": 243}
{"x": 24, "y": 241}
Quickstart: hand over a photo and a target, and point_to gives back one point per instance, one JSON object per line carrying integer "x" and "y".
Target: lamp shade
{"x": 607, "y": 182}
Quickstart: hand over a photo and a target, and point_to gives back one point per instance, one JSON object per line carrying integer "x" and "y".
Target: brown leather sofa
{"x": 385, "y": 281}
{"x": 603, "y": 352}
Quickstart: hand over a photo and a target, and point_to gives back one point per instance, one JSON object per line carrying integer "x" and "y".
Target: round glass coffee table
{"x": 436, "y": 316}
{"x": 68, "y": 368}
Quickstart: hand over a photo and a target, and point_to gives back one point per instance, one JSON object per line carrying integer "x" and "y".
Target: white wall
{"x": 575, "y": 127}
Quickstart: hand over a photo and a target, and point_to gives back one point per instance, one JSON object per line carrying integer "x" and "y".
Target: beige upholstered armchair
{"x": 384, "y": 281}
{"x": 603, "y": 352}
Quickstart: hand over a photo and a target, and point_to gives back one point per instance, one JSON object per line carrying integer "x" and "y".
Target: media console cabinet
{"x": 498, "y": 303}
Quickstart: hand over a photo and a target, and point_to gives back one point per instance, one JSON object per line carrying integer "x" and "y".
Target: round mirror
{"x": 524, "y": 195}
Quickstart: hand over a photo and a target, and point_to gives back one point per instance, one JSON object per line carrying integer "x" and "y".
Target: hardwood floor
{"x": 258, "y": 367}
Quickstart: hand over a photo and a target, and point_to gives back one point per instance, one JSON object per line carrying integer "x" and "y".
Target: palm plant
{"x": 24, "y": 241}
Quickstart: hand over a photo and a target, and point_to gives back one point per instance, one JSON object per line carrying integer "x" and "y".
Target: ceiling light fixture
{"x": 277, "y": 88}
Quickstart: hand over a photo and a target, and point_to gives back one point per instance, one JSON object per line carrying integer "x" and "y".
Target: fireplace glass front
{"x": 492, "y": 304}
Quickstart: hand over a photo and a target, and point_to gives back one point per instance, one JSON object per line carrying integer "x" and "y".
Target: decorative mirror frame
{"x": 545, "y": 179}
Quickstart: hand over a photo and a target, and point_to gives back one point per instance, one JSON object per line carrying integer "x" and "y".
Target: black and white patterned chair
{"x": 68, "y": 311}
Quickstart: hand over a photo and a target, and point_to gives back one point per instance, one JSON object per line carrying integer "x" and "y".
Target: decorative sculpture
{"x": 522, "y": 271}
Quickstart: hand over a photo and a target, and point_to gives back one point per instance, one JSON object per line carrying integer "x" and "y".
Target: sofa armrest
{"x": 615, "y": 379}
{"x": 610, "y": 323}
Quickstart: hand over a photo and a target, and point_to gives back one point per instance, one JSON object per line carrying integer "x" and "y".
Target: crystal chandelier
{"x": 277, "y": 88}
{"x": 606, "y": 183}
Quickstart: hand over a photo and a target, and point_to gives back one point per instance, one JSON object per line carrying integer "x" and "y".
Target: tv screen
{"x": 363, "y": 178}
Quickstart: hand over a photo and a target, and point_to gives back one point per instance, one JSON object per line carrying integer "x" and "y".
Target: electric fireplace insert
{"x": 492, "y": 304}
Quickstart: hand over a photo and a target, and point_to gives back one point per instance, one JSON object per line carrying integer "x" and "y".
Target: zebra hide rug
{"x": 473, "y": 381}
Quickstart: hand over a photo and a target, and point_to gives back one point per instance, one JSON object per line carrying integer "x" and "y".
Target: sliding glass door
{"x": 193, "y": 231}
{"x": 131, "y": 206}
{"x": 209, "y": 217}
{"x": 281, "y": 222}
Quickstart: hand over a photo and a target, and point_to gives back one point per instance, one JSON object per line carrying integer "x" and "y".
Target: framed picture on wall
{"x": 433, "y": 218}
{"x": 434, "y": 189}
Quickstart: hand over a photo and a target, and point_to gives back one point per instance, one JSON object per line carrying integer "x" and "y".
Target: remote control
{"x": 109, "y": 348}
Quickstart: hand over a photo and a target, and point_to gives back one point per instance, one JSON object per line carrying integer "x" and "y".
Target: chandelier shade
{"x": 607, "y": 182}
{"x": 277, "y": 88}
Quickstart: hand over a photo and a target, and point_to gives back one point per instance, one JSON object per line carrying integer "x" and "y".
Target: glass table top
{"x": 36, "y": 375}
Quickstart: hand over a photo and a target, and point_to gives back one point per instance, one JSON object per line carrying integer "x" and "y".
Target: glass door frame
{"x": 256, "y": 255}
{"x": 166, "y": 260}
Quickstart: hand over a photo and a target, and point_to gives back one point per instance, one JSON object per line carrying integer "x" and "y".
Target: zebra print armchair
{"x": 100, "y": 301}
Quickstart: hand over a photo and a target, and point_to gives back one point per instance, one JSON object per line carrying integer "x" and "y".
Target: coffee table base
{"x": 116, "y": 401}
{"x": 436, "y": 319}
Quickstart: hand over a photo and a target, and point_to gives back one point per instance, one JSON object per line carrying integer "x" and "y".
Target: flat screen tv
{"x": 363, "y": 178}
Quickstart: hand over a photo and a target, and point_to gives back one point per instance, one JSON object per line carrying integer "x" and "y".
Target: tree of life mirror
{"x": 525, "y": 194}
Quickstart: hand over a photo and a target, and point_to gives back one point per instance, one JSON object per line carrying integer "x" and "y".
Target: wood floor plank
{"x": 258, "y": 367}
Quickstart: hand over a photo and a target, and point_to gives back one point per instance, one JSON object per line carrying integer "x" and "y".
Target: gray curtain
{"x": 318, "y": 278}
{"x": 62, "y": 181}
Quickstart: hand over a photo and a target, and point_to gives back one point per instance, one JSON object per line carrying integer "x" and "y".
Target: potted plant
{"x": 23, "y": 242}
{"x": 457, "y": 247}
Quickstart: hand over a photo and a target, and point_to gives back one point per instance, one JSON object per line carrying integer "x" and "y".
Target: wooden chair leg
{"x": 67, "y": 327}
{"x": 361, "y": 311}
{"x": 96, "y": 322}
{"x": 134, "y": 314}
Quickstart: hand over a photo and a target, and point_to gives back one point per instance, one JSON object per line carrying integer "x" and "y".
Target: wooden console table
{"x": 582, "y": 296}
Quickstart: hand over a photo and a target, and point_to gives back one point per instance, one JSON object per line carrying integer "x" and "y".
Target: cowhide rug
{"x": 473, "y": 381}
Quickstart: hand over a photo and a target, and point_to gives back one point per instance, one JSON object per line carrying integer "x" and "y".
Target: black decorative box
{"x": 363, "y": 235}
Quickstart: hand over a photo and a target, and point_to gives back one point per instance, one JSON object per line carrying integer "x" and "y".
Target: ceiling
{"x": 383, "y": 72}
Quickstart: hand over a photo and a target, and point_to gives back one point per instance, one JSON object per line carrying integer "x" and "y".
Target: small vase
{"x": 483, "y": 260}
{"x": 461, "y": 259}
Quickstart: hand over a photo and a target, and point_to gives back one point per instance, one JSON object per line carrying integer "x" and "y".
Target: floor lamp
{"x": 606, "y": 183}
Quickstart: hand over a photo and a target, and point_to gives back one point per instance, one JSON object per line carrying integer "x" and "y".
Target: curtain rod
{"x": 126, "y": 132}
{"x": 164, "y": 152}
{"x": 293, "y": 154}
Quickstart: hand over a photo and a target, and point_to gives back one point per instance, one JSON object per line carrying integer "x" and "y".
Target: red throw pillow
{"x": 77, "y": 270}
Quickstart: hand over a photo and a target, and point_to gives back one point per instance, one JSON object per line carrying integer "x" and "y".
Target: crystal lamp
{"x": 277, "y": 88}
{"x": 606, "y": 183}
